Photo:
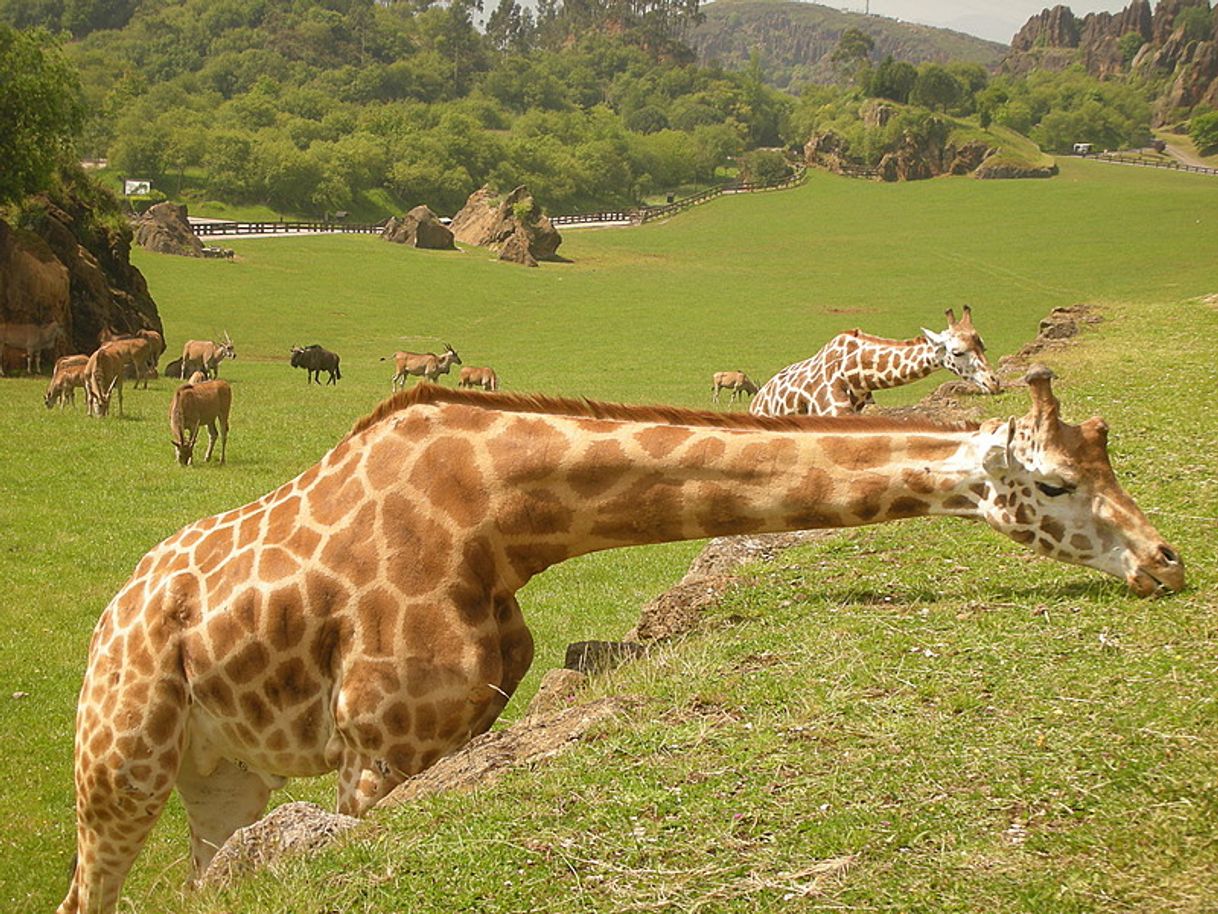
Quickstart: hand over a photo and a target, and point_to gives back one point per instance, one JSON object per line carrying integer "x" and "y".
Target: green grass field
{"x": 916, "y": 717}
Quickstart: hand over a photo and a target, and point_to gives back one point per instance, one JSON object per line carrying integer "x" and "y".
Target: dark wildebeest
{"x": 314, "y": 360}
{"x": 174, "y": 370}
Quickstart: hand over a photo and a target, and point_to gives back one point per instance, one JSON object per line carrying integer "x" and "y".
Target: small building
{"x": 1082, "y": 149}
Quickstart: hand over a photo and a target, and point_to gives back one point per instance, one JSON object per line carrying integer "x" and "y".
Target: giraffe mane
{"x": 425, "y": 394}
{"x": 885, "y": 341}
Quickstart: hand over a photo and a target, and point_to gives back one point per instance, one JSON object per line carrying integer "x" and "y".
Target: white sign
{"x": 136, "y": 188}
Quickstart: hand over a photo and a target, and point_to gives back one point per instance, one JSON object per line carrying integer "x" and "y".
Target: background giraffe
{"x": 839, "y": 379}
{"x": 362, "y": 617}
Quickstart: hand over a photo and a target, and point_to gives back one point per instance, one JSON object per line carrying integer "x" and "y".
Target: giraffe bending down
{"x": 363, "y": 618}
{"x": 839, "y": 379}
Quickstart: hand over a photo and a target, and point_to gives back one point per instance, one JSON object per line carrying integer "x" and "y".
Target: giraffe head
{"x": 1051, "y": 487}
{"x": 961, "y": 351}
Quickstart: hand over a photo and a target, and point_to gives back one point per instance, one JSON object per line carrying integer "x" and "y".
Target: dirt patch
{"x": 1211, "y": 300}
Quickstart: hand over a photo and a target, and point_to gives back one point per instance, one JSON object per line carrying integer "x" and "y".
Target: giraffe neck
{"x": 884, "y": 364}
{"x": 554, "y": 486}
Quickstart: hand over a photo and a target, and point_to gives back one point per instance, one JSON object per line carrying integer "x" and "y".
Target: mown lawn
{"x": 951, "y": 725}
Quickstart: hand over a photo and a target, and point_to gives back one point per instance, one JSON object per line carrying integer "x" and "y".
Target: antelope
{"x": 206, "y": 403}
{"x": 155, "y": 341}
{"x": 425, "y": 364}
{"x": 33, "y": 339}
{"x": 69, "y": 374}
{"x": 103, "y": 373}
{"x": 207, "y": 355}
{"x": 136, "y": 351}
{"x": 472, "y": 376}
{"x": 735, "y": 381}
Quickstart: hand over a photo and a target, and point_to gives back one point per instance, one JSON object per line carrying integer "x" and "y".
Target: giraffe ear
{"x": 999, "y": 456}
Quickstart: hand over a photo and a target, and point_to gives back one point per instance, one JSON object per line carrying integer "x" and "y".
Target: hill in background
{"x": 794, "y": 40}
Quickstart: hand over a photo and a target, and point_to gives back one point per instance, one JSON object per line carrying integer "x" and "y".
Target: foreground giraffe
{"x": 363, "y": 618}
{"x": 839, "y": 379}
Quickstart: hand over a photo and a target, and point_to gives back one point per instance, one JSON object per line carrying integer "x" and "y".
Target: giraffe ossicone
{"x": 362, "y": 617}
{"x": 840, "y": 378}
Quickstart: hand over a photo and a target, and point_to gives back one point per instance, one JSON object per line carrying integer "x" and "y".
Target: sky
{"x": 997, "y": 20}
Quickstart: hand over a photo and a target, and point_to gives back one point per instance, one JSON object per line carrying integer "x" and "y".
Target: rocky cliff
{"x": 66, "y": 257}
{"x": 1056, "y": 38}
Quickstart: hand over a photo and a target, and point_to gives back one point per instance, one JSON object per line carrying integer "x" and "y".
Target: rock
{"x": 165, "y": 229}
{"x": 599, "y": 656}
{"x": 994, "y": 168}
{"x": 487, "y": 221}
{"x": 556, "y": 693}
{"x": 968, "y": 157}
{"x": 876, "y": 114}
{"x": 420, "y": 228}
{"x": 294, "y": 828}
{"x": 77, "y": 237}
{"x": 516, "y": 250}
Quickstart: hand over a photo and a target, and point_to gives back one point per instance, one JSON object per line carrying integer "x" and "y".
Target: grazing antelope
{"x": 156, "y": 342}
{"x": 207, "y": 355}
{"x": 314, "y": 360}
{"x": 735, "y": 381}
{"x": 69, "y": 374}
{"x": 136, "y": 354}
{"x": 472, "y": 376}
{"x": 33, "y": 339}
{"x": 425, "y": 364}
{"x": 104, "y": 373}
{"x": 206, "y": 403}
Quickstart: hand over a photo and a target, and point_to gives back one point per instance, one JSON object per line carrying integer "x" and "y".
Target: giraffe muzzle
{"x": 1161, "y": 573}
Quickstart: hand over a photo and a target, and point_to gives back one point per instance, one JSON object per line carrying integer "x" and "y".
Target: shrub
{"x": 763, "y": 166}
{"x": 1203, "y": 129}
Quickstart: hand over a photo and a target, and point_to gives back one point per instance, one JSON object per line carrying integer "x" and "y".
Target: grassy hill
{"x": 794, "y": 40}
{"x": 915, "y": 717}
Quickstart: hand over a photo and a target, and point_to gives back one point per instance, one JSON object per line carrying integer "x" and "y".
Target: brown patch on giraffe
{"x": 426, "y": 721}
{"x": 1080, "y": 543}
{"x": 256, "y": 710}
{"x": 783, "y": 451}
{"x": 905, "y": 506}
{"x": 334, "y": 497}
{"x": 533, "y": 511}
{"x": 707, "y": 452}
{"x": 234, "y": 573}
{"x": 1026, "y": 537}
{"x": 447, "y": 474}
{"x": 723, "y": 512}
{"x": 275, "y": 564}
{"x": 868, "y": 497}
{"x": 920, "y": 482}
{"x": 958, "y": 503}
{"x": 282, "y": 518}
{"x": 307, "y": 725}
{"x": 929, "y": 449}
{"x": 598, "y": 469}
{"x": 378, "y": 623}
{"x": 290, "y": 684}
{"x": 213, "y": 549}
{"x": 526, "y": 451}
{"x": 244, "y": 610}
{"x": 1023, "y": 514}
{"x": 397, "y": 721}
{"x": 660, "y": 441}
{"x": 356, "y": 548}
{"x": 1053, "y": 528}
{"x": 649, "y": 509}
{"x": 856, "y": 453}
{"x": 248, "y": 663}
{"x": 277, "y": 741}
{"x": 249, "y": 531}
{"x": 303, "y": 542}
{"x": 421, "y": 554}
{"x": 283, "y": 621}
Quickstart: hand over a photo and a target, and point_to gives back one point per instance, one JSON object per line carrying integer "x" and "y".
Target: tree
{"x": 1129, "y": 45}
{"x": 892, "y": 79}
{"x": 1195, "y": 22}
{"x": 853, "y": 49}
{"x": 935, "y": 87}
{"x": 1203, "y": 129}
{"x": 40, "y": 110}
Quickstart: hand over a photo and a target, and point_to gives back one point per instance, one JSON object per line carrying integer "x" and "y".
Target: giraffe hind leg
{"x": 219, "y": 802}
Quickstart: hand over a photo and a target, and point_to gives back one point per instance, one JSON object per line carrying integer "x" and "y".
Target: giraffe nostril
{"x": 1168, "y": 555}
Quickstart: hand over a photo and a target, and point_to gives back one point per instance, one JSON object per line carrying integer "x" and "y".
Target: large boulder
{"x": 70, "y": 261}
{"x": 514, "y": 224}
{"x": 165, "y": 229}
{"x": 419, "y": 228}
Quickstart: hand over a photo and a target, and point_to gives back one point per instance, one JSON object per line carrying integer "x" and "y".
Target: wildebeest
{"x": 735, "y": 381}
{"x": 69, "y": 374}
{"x": 103, "y": 374}
{"x": 174, "y": 370}
{"x": 314, "y": 360}
{"x": 193, "y": 405}
{"x": 207, "y": 355}
{"x": 425, "y": 364}
{"x": 33, "y": 339}
{"x": 473, "y": 376}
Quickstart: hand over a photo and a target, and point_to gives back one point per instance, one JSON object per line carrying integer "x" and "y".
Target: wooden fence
{"x": 1121, "y": 158}
{"x": 202, "y": 229}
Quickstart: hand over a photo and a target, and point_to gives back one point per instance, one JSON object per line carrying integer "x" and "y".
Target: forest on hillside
{"x": 313, "y": 106}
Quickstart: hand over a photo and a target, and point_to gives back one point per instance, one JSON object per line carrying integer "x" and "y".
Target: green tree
{"x": 40, "y": 110}
{"x": 1129, "y": 45}
{"x": 1195, "y": 21}
{"x": 851, "y": 52}
{"x": 892, "y": 79}
{"x": 935, "y": 88}
{"x": 1203, "y": 129}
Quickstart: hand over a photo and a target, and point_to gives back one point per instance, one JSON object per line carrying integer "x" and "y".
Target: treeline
{"x": 316, "y": 105}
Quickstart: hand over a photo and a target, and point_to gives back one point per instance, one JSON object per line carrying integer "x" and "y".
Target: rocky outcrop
{"x": 996, "y": 168}
{"x": 926, "y": 153}
{"x": 1055, "y": 39}
{"x": 419, "y": 228}
{"x": 68, "y": 259}
{"x": 513, "y": 225}
{"x": 292, "y": 829}
{"x": 164, "y": 228}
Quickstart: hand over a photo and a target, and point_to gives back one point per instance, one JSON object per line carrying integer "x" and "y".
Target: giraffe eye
{"x": 1053, "y": 491}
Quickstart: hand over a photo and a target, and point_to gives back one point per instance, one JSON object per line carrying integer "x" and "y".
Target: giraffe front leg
{"x": 363, "y": 781}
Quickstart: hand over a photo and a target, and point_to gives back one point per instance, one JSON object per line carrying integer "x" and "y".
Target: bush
{"x": 763, "y": 166}
{"x": 1203, "y": 130}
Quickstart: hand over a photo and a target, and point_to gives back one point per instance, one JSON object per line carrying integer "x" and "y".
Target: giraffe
{"x": 362, "y": 617}
{"x": 839, "y": 379}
